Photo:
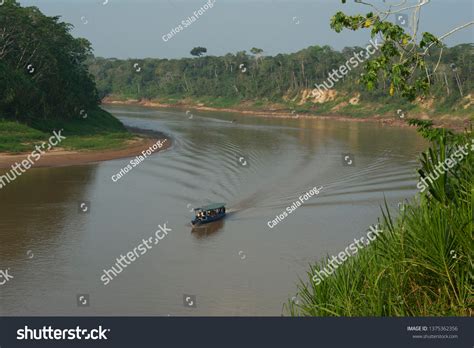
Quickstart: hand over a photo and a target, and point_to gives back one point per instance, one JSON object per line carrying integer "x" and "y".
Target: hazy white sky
{"x": 134, "y": 28}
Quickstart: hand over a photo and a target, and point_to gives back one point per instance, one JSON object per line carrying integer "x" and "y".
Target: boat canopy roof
{"x": 211, "y": 207}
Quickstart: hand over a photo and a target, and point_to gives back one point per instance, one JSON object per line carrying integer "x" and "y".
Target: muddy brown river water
{"x": 60, "y": 228}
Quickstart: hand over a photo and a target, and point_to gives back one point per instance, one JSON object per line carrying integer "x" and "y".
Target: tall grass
{"x": 421, "y": 265}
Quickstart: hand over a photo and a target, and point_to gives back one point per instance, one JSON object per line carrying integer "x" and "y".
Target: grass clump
{"x": 98, "y": 131}
{"x": 421, "y": 265}
{"x": 16, "y": 137}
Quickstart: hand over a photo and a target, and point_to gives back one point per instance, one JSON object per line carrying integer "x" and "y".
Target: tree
{"x": 257, "y": 52}
{"x": 275, "y": 78}
{"x": 402, "y": 59}
{"x": 198, "y": 51}
{"x": 42, "y": 66}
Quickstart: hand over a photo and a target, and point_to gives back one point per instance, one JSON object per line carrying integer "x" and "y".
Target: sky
{"x": 135, "y": 28}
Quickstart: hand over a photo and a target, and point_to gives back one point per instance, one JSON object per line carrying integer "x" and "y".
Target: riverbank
{"x": 99, "y": 137}
{"x": 280, "y": 111}
{"x": 61, "y": 158}
{"x": 419, "y": 265}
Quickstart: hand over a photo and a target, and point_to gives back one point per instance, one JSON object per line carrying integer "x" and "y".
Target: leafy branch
{"x": 402, "y": 57}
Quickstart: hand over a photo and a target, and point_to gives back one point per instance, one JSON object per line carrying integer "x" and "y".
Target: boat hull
{"x": 198, "y": 222}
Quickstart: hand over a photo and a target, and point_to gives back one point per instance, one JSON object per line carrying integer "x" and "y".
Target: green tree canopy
{"x": 198, "y": 51}
{"x": 42, "y": 67}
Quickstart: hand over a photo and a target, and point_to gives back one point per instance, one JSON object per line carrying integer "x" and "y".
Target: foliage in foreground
{"x": 421, "y": 264}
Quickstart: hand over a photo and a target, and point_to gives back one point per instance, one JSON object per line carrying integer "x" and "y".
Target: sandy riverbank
{"x": 260, "y": 113}
{"x": 454, "y": 123}
{"x": 59, "y": 157}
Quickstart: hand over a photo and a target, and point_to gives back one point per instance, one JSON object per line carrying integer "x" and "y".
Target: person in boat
{"x": 209, "y": 213}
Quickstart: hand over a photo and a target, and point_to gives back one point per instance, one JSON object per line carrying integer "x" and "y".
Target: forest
{"x": 42, "y": 67}
{"x": 46, "y": 73}
{"x": 244, "y": 76}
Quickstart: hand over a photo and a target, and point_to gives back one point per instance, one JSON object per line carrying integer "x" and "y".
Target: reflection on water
{"x": 284, "y": 158}
{"x": 207, "y": 230}
{"x": 39, "y": 207}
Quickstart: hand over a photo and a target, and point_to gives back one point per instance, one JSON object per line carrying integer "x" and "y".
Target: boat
{"x": 208, "y": 213}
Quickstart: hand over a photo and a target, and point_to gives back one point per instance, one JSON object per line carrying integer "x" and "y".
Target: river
{"x": 56, "y": 251}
